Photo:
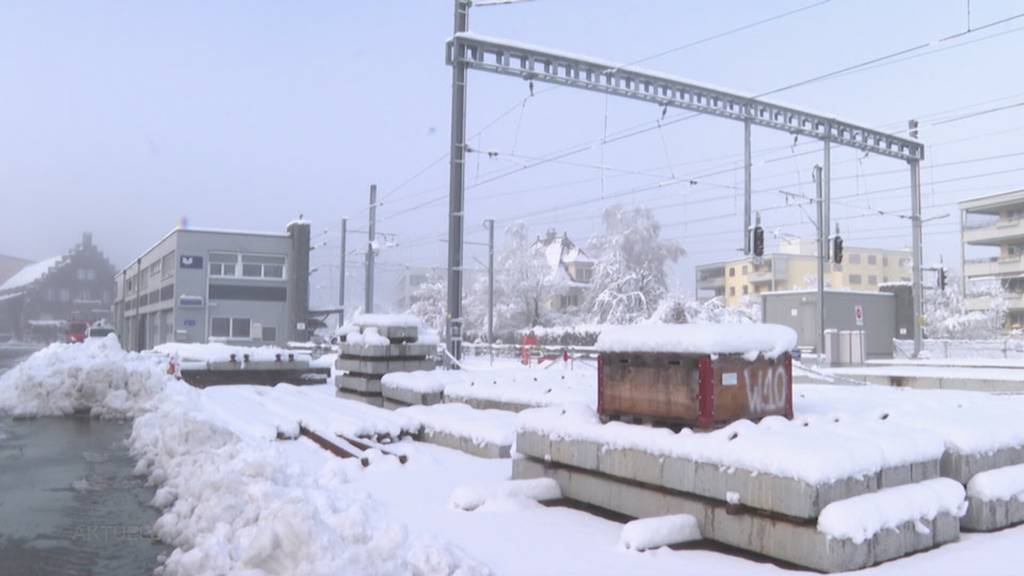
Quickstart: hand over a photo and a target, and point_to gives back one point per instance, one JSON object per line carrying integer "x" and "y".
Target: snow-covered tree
{"x": 946, "y": 314}
{"x": 430, "y": 299}
{"x": 525, "y": 283}
{"x": 629, "y": 278}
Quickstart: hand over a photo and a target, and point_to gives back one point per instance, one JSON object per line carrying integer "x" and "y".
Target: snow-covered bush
{"x": 946, "y": 314}
{"x": 681, "y": 309}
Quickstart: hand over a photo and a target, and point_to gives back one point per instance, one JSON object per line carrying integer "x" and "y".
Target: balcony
{"x": 1014, "y": 301}
{"x": 994, "y": 267}
{"x": 995, "y": 234}
{"x": 711, "y": 282}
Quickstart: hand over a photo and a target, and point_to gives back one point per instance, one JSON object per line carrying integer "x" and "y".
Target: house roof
{"x": 30, "y": 273}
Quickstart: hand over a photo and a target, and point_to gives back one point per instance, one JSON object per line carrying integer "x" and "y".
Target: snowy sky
{"x": 120, "y": 118}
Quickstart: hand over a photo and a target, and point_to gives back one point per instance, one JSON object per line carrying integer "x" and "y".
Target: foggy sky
{"x": 121, "y": 118}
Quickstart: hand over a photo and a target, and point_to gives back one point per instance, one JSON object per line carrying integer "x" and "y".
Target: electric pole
{"x": 822, "y": 241}
{"x": 489, "y": 223}
{"x": 370, "y": 241}
{"x": 341, "y": 275}
{"x": 457, "y": 190}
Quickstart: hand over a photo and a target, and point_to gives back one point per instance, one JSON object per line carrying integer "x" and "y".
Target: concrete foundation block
{"x": 845, "y": 488}
{"x": 679, "y": 474}
{"x": 895, "y": 476}
{"x": 961, "y": 467}
{"x": 986, "y": 516}
{"x": 360, "y": 384}
{"x": 632, "y": 464}
{"x": 784, "y": 495}
{"x": 577, "y": 453}
{"x": 795, "y": 542}
{"x": 370, "y": 399}
{"x": 411, "y": 349}
{"x": 533, "y": 444}
{"x": 920, "y": 471}
{"x": 410, "y": 397}
{"x": 487, "y": 403}
{"x": 466, "y": 444}
{"x": 381, "y": 366}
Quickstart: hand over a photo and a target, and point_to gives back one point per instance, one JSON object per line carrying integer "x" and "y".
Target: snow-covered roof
{"x": 751, "y": 340}
{"x": 30, "y": 274}
{"x": 10, "y": 296}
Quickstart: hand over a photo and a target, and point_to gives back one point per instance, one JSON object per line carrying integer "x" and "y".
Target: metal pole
{"x": 747, "y": 184}
{"x": 456, "y": 191}
{"x": 822, "y": 241}
{"x": 490, "y": 287}
{"x": 371, "y": 237}
{"x": 915, "y": 208}
{"x": 826, "y": 220}
{"x": 341, "y": 275}
{"x": 963, "y": 255}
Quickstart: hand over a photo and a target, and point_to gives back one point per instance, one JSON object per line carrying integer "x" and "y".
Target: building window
{"x": 240, "y": 327}
{"x": 855, "y": 279}
{"x": 746, "y": 289}
{"x": 269, "y": 334}
{"x": 732, "y": 290}
{"x": 744, "y": 269}
{"x": 223, "y": 264}
{"x": 154, "y": 269}
{"x": 220, "y": 327}
{"x": 872, "y": 259}
{"x": 167, "y": 266}
{"x": 247, "y": 266}
{"x": 230, "y": 328}
{"x": 854, "y": 258}
{"x": 732, "y": 271}
{"x": 65, "y": 295}
{"x": 885, "y": 260}
{"x": 872, "y": 279}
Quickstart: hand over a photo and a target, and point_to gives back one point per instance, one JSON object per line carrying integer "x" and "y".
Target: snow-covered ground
{"x": 235, "y": 500}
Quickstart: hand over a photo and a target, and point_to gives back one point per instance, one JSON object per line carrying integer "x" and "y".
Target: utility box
{"x": 873, "y": 313}
{"x": 695, "y": 375}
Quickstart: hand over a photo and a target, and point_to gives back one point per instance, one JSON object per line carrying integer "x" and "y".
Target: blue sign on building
{"x": 189, "y": 323}
{"x": 191, "y": 262}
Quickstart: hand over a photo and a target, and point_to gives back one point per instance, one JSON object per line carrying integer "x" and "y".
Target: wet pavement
{"x": 69, "y": 503}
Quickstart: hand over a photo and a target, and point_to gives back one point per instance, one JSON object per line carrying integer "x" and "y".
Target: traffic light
{"x": 942, "y": 279}
{"x": 758, "y": 241}
{"x": 837, "y": 249}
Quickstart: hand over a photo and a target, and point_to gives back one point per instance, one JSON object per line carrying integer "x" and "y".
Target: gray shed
{"x": 872, "y": 312}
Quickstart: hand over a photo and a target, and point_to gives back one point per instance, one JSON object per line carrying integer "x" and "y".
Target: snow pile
{"x": 236, "y": 504}
{"x": 751, "y": 340}
{"x": 861, "y": 517}
{"x": 527, "y": 386}
{"x": 389, "y": 320}
{"x": 999, "y": 484}
{"x": 481, "y": 426}
{"x": 369, "y": 337}
{"x": 533, "y": 490}
{"x": 968, "y": 422}
{"x": 816, "y": 450}
{"x": 217, "y": 352}
{"x": 96, "y": 376}
{"x": 648, "y": 533}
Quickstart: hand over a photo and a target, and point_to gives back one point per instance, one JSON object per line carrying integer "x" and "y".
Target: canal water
{"x": 69, "y": 503}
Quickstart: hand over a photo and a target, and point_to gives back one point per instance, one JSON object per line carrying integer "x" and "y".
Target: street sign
{"x": 858, "y": 314}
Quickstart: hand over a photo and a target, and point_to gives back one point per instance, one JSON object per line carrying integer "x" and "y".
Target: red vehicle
{"x": 76, "y": 331}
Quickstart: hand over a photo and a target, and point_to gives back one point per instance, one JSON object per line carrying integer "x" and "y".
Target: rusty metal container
{"x": 698, "y": 390}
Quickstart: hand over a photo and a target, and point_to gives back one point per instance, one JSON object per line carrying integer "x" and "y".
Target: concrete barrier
{"x": 771, "y": 493}
{"x": 987, "y": 516}
{"x": 404, "y": 396}
{"x": 465, "y": 444}
{"x": 962, "y": 467}
{"x": 776, "y": 537}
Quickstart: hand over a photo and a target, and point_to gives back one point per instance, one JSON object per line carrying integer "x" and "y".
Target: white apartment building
{"x": 993, "y": 225}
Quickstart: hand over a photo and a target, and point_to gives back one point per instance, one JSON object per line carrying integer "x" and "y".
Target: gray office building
{"x": 198, "y": 285}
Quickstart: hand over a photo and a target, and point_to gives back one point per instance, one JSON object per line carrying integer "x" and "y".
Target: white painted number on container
{"x": 766, "y": 389}
{"x": 729, "y": 379}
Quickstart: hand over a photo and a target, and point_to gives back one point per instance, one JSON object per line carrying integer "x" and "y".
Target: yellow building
{"x": 795, "y": 267}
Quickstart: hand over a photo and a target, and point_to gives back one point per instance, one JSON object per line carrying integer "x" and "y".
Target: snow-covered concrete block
{"x": 400, "y": 350}
{"x": 799, "y": 543}
{"x": 894, "y": 476}
{"x": 360, "y": 384}
{"x": 407, "y": 397}
{"x": 376, "y": 401}
{"x": 465, "y": 444}
{"x": 926, "y": 470}
{"x": 678, "y": 474}
{"x": 628, "y": 463}
{"x": 963, "y": 466}
{"x": 577, "y": 453}
{"x": 996, "y": 499}
{"x": 659, "y": 531}
{"x": 486, "y": 403}
{"x": 533, "y": 444}
{"x": 381, "y": 366}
